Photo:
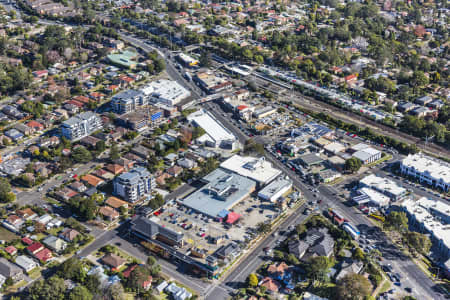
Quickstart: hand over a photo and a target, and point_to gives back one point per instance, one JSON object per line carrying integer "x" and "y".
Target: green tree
{"x": 100, "y": 146}
{"x": 358, "y": 254}
{"x": 418, "y": 80}
{"x": 353, "y": 287}
{"x": 92, "y": 283}
{"x": 159, "y": 65}
{"x": 317, "y": 268}
{"x": 151, "y": 260}
{"x": 6, "y": 194}
{"x": 73, "y": 269}
{"x": 115, "y": 292}
{"x": 137, "y": 277}
{"x": 81, "y": 155}
{"x": 114, "y": 152}
{"x": 252, "y": 280}
{"x": 263, "y": 227}
{"x": 156, "y": 202}
{"x": 419, "y": 242}
{"x": 292, "y": 259}
{"x": 397, "y": 221}
{"x": 352, "y": 165}
{"x": 80, "y": 293}
{"x": 53, "y": 288}
{"x": 205, "y": 59}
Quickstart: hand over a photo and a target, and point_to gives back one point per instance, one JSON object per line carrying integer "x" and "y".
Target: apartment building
{"x": 428, "y": 170}
{"x": 134, "y": 185}
{"x": 81, "y": 125}
{"x": 128, "y": 101}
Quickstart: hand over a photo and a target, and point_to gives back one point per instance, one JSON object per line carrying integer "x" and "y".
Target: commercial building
{"x": 134, "y": 185}
{"x": 384, "y": 186}
{"x": 367, "y": 155}
{"x": 264, "y": 112}
{"x": 125, "y": 60}
{"x": 433, "y": 217}
{"x": 310, "y": 159}
{"x": 165, "y": 92}
{"x": 216, "y": 135}
{"x": 428, "y": 170}
{"x": 371, "y": 197}
{"x": 275, "y": 189}
{"x": 187, "y": 60}
{"x": 212, "y": 83}
{"x": 81, "y": 125}
{"x": 165, "y": 242}
{"x": 128, "y": 101}
{"x": 257, "y": 169}
{"x": 223, "y": 190}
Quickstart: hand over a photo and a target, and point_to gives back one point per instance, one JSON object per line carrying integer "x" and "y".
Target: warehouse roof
{"x": 382, "y": 184}
{"x": 215, "y": 131}
{"x": 254, "y": 168}
{"x": 311, "y": 159}
{"x": 275, "y": 187}
{"x": 223, "y": 191}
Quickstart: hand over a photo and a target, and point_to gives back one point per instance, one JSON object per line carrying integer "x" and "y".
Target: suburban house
{"x": 109, "y": 213}
{"x": 26, "y": 263}
{"x": 10, "y": 270}
{"x": 55, "y": 243}
{"x": 69, "y": 234}
{"x": 113, "y": 261}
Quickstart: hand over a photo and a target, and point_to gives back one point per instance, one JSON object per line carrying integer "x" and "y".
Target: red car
{"x": 203, "y": 235}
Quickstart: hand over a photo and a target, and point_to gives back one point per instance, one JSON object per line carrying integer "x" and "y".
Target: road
{"x": 411, "y": 274}
{"x": 236, "y": 278}
{"x": 414, "y": 277}
{"x": 318, "y": 106}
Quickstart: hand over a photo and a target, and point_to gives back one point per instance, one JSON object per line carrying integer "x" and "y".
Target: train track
{"x": 318, "y": 106}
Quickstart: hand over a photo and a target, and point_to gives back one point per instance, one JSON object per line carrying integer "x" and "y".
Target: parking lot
{"x": 203, "y": 232}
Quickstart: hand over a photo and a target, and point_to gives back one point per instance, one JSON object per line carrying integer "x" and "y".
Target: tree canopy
{"x": 353, "y": 287}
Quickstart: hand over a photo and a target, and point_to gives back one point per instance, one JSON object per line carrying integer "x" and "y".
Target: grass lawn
{"x": 7, "y": 235}
{"x": 387, "y": 157}
{"x": 51, "y": 201}
{"x": 14, "y": 288}
{"x": 40, "y": 236}
{"x": 128, "y": 296}
{"x": 35, "y": 273}
{"x": 54, "y": 231}
{"x": 385, "y": 287}
{"x": 324, "y": 290}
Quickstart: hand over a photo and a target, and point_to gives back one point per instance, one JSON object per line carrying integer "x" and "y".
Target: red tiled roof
{"x": 27, "y": 241}
{"x": 76, "y": 103}
{"x": 11, "y": 250}
{"x": 44, "y": 255}
{"x": 34, "y": 247}
{"x": 128, "y": 271}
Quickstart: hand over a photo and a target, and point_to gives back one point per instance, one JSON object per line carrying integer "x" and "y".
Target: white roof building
{"x": 216, "y": 134}
{"x": 254, "y": 168}
{"x": 275, "y": 189}
{"x": 430, "y": 170}
{"x": 374, "y": 197}
{"x": 334, "y": 147}
{"x": 178, "y": 293}
{"x": 25, "y": 263}
{"x": 167, "y": 92}
{"x": 367, "y": 155}
{"x": 431, "y": 216}
{"x": 383, "y": 185}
